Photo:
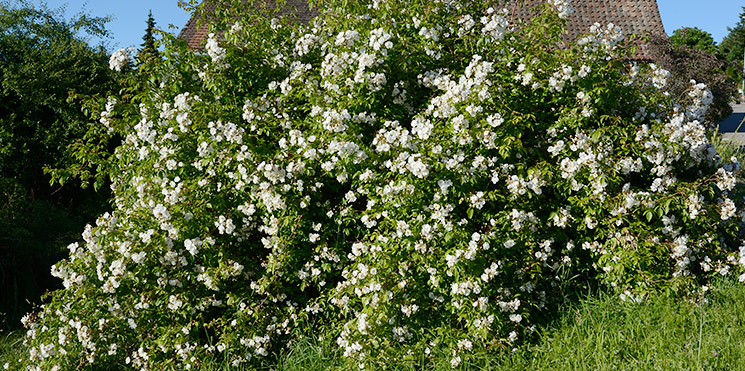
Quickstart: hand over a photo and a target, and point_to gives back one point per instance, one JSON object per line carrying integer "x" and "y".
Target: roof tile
{"x": 195, "y": 36}
{"x": 633, "y": 16}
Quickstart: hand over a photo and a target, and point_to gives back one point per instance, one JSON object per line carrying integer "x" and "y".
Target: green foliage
{"x": 661, "y": 332}
{"x": 727, "y": 148}
{"x": 312, "y": 354}
{"x": 694, "y": 38}
{"x": 42, "y": 62}
{"x": 421, "y": 181}
{"x": 32, "y": 230}
{"x": 733, "y": 45}
{"x": 44, "y": 69}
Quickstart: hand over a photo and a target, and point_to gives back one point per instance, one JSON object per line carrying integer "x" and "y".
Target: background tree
{"x": 733, "y": 46}
{"x": 148, "y": 48}
{"x": 42, "y": 61}
{"x": 694, "y": 37}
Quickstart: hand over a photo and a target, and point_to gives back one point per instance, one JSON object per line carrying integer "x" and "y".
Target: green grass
{"x": 726, "y": 148}
{"x": 661, "y": 333}
{"x": 10, "y": 347}
{"x": 599, "y": 333}
{"x": 312, "y": 355}
{"x": 605, "y": 333}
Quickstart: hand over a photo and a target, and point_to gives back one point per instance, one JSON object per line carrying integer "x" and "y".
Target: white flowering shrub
{"x": 410, "y": 177}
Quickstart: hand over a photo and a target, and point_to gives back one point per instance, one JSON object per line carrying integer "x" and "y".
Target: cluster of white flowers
{"x": 347, "y": 38}
{"x": 337, "y": 63}
{"x": 495, "y": 23}
{"x": 600, "y": 39}
{"x": 563, "y": 7}
{"x": 560, "y": 78}
{"x": 701, "y": 99}
{"x": 380, "y": 40}
{"x": 120, "y": 59}
{"x": 215, "y": 51}
{"x": 659, "y": 76}
{"x": 305, "y": 43}
{"x": 682, "y": 253}
{"x": 465, "y": 25}
{"x": 105, "y": 119}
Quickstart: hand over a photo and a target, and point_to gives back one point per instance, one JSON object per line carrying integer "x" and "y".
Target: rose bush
{"x": 411, "y": 177}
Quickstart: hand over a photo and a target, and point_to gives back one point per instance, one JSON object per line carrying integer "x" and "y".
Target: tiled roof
{"x": 195, "y": 36}
{"x": 633, "y": 16}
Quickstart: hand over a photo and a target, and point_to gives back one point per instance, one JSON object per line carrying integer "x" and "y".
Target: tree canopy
{"x": 45, "y": 64}
{"x": 42, "y": 61}
{"x": 733, "y": 45}
{"x": 696, "y": 38}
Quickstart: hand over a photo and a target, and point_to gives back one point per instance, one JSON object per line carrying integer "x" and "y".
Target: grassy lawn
{"x": 600, "y": 333}
{"x": 10, "y": 346}
{"x": 605, "y": 333}
{"x": 659, "y": 334}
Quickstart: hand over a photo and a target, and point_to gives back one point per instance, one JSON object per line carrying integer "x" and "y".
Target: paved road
{"x": 729, "y": 127}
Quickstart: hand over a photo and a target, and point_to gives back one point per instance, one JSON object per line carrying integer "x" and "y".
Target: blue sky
{"x": 129, "y": 17}
{"x": 713, "y": 16}
{"x": 128, "y": 26}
